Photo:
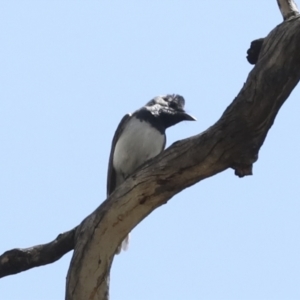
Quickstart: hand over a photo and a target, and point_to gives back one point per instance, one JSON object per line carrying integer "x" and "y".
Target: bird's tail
{"x": 124, "y": 245}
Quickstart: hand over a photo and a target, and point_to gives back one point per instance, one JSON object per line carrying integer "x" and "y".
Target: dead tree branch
{"x": 233, "y": 141}
{"x": 289, "y": 11}
{"x": 17, "y": 260}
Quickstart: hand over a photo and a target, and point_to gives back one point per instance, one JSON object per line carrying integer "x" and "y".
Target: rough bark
{"x": 289, "y": 11}
{"x": 17, "y": 260}
{"x": 233, "y": 141}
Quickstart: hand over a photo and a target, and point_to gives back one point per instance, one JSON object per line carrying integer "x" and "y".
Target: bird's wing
{"x": 111, "y": 173}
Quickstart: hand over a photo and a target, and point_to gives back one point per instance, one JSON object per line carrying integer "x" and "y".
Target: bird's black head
{"x": 169, "y": 109}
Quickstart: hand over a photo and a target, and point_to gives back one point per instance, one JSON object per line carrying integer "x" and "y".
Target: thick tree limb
{"x": 18, "y": 260}
{"x": 233, "y": 141}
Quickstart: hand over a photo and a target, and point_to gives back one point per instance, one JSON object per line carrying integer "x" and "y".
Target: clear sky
{"x": 69, "y": 71}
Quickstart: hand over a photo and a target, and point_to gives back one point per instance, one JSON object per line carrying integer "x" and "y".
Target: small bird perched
{"x": 141, "y": 136}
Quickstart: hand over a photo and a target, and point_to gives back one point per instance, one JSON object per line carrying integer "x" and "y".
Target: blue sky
{"x": 69, "y": 71}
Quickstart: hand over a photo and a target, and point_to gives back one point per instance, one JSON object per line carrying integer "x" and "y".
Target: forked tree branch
{"x": 233, "y": 141}
{"x": 289, "y": 11}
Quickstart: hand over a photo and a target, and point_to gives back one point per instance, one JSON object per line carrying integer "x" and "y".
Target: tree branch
{"x": 233, "y": 141}
{"x": 288, "y": 9}
{"x": 18, "y": 260}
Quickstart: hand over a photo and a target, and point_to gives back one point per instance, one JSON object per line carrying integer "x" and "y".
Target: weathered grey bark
{"x": 233, "y": 141}
{"x": 18, "y": 260}
{"x": 288, "y": 9}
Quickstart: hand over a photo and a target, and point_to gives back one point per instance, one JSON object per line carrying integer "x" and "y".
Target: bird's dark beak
{"x": 187, "y": 117}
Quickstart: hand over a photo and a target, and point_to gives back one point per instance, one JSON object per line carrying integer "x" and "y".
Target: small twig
{"x": 288, "y": 9}
{"x": 17, "y": 260}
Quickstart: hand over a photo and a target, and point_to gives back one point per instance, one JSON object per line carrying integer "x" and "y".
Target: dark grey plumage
{"x": 141, "y": 136}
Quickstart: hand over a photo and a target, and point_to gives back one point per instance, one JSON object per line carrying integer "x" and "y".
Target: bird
{"x": 141, "y": 136}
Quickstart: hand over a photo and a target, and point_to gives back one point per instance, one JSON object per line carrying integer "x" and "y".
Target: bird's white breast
{"x": 138, "y": 142}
